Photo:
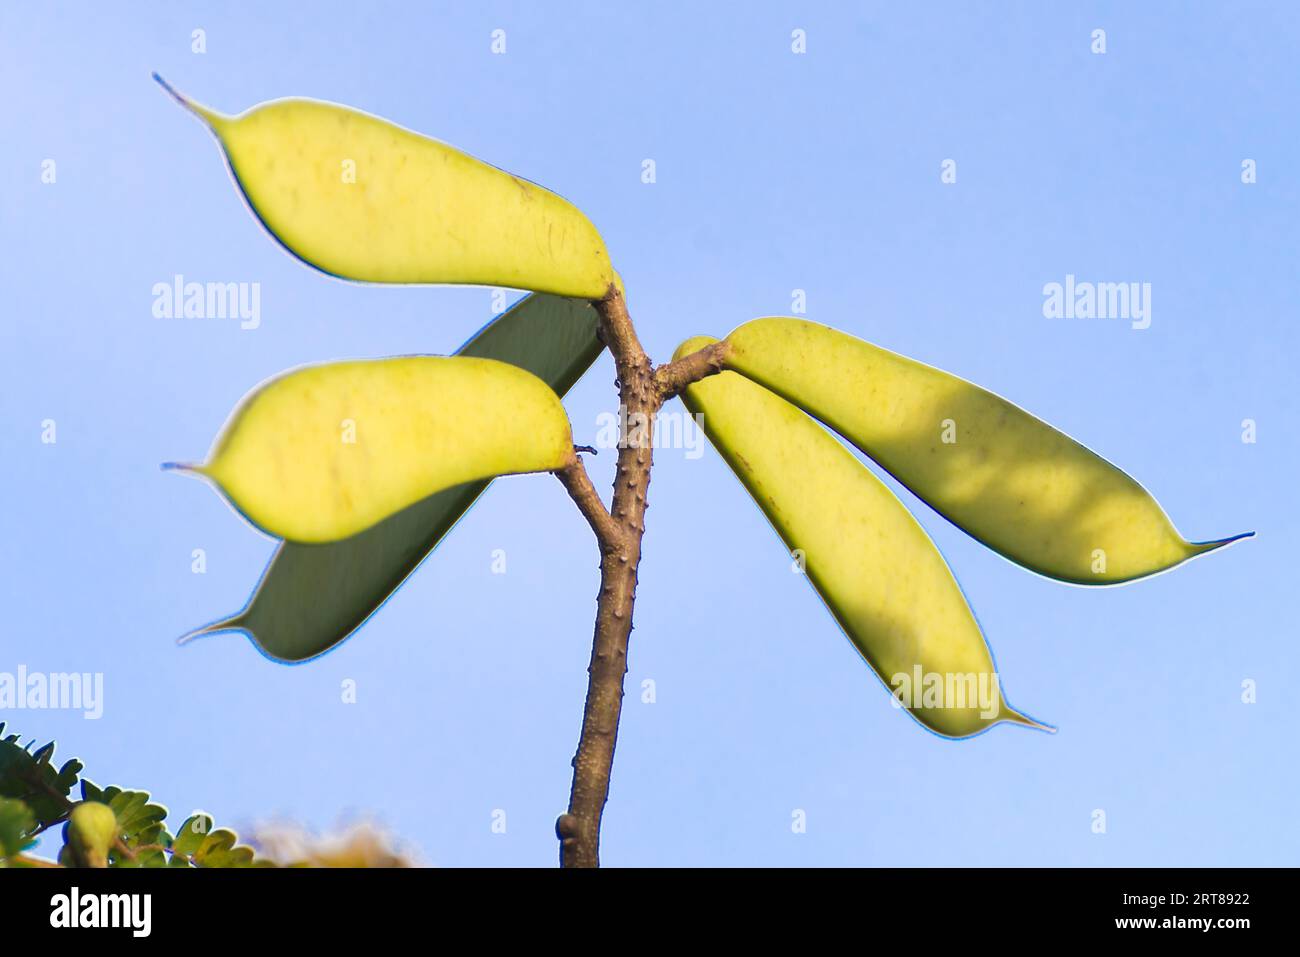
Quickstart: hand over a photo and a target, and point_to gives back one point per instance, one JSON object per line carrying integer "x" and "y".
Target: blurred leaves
{"x": 361, "y": 844}
{"x": 34, "y": 797}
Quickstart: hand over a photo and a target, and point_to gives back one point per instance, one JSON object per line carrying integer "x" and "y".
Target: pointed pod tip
{"x": 1203, "y": 547}
{"x": 171, "y": 91}
{"x": 225, "y": 624}
{"x": 211, "y": 117}
{"x": 1015, "y": 717}
{"x": 182, "y": 467}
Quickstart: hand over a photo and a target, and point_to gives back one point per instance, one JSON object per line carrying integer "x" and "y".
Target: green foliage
{"x": 190, "y": 837}
{"x": 219, "y": 849}
{"x": 34, "y": 797}
{"x": 16, "y": 822}
{"x": 30, "y": 776}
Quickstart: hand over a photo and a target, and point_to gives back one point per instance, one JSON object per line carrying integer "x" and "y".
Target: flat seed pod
{"x": 324, "y": 452}
{"x": 311, "y": 597}
{"x": 1003, "y": 476}
{"x": 361, "y": 198}
{"x": 866, "y": 555}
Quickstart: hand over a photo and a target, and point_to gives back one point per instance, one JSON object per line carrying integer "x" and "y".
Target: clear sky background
{"x": 775, "y": 172}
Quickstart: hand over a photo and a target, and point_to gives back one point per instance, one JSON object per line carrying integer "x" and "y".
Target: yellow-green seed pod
{"x": 324, "y": 452}
{"x": 362, "y": 198}
{"x": 1008, "y": 479}
{"x": 866, "y": 555}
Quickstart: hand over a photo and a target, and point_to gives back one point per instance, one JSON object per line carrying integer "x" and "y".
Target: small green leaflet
{"x": 30, "y": 776}
{"x": 16, "y": 822}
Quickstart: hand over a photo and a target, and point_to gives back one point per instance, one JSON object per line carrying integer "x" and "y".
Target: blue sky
{"x": 775, "y": 172}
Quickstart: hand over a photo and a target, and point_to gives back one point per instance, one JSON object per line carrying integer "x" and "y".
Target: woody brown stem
{"x": 577, "y": 482}
{"x": 618, "y": 530}
{"x": 672, "y": 378}
{"x": 619, "y": 533}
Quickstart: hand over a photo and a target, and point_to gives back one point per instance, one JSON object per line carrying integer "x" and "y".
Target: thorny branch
{"x": 575, "y": 479}
{"x": 674, "y": 377}
{"x": 619, "y": 530}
